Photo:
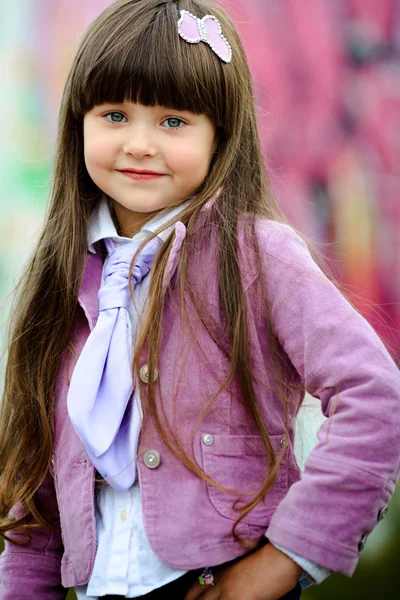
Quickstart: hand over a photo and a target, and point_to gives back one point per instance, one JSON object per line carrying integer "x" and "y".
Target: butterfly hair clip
{"x": 208, "y": 30}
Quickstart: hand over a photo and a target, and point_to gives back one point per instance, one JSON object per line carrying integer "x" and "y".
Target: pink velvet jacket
{"x": 324, "y": 514}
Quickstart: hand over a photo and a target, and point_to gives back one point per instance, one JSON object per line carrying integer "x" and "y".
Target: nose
{"x": 139, "y": 141}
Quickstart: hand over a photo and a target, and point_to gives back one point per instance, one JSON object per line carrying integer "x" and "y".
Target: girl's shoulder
{"x": 271, "y": 232}
{"x": 274, "y": 239}
{"x": 279, "y": 254}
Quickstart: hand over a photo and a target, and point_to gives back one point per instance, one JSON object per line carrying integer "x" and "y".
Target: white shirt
{"x": 125, "y": 563}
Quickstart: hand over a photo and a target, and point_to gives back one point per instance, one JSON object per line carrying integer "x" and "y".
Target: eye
{"x": 174, "y": 121}
{"x": 118, "y": 114}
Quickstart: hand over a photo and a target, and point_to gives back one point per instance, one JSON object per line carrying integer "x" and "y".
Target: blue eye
{"x": 175, "y": 123}
{"x": 115, "y": 113}
{"x": 175, "y": 119}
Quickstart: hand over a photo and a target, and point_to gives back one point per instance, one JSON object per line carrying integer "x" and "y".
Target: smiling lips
{"x": 141, "y": 175}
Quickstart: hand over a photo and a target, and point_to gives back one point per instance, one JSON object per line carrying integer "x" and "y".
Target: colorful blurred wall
{"x": 327, "y": 86}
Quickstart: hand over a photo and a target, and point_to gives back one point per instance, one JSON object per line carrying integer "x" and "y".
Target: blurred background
{"x": 327, "y": 87}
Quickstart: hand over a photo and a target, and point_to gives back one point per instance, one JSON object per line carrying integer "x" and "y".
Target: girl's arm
{"x": 351, "y": 473}
{"x": 34, "y": 571}
{"x": 312, "y": 573}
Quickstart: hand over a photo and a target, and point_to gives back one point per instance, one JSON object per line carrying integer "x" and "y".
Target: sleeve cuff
{"x": 312, "y": 573}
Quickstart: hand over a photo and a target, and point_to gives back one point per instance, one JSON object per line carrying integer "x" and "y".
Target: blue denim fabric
{"x": 305, "y": 582}
{"x": 294, "y": 594}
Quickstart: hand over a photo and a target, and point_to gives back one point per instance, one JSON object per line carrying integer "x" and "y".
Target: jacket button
{"x": 363, "y": 542}
{"x": 383, "y": 512}
{"x": 283, "y": 442}
{"x": 144, "y": 374}
{"x": 208, "y": 439}
{"x": 151, "y": 459}
{"x": 52, "y": 462}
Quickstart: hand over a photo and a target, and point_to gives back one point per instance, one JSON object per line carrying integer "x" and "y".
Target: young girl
{"x": 167, "y": 327}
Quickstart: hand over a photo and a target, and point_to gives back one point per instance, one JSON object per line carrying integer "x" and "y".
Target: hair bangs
{"x": 152, "y": 65}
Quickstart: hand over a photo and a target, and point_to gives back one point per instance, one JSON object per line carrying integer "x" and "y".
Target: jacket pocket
{"x": 239, "y": 462}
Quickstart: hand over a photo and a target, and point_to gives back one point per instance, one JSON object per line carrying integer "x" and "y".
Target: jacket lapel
{"x": 91, "y": 280}
{"x": 174, "y": 255}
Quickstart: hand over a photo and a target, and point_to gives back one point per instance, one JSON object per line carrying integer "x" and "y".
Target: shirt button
{"x": 152, "y": 459}
{"x": 383, "y": 512}
{"x": 208, "y": 439}
{"x": 123, "y": 515}
{"x": 363, "y": 542}
{"x": 144, "y": 374}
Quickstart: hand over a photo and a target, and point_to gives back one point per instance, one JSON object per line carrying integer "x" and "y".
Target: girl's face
{"x": 176, "y": 144}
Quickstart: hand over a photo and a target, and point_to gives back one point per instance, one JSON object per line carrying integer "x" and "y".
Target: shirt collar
{"x": 101, "y": 225}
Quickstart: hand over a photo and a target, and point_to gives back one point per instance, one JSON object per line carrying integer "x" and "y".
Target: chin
{"x": 139, "y": 208}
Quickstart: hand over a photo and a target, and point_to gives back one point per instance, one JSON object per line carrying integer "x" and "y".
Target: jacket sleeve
{"x": 34, "y": 571}
{"x": 351, "y": 474}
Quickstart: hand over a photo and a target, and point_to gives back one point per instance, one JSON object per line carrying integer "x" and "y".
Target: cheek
{"x": 91, "y": 161}
{"x": 97, "y": 149}
{"x": 194, "y": 161}
{"x": 91, "y": 142}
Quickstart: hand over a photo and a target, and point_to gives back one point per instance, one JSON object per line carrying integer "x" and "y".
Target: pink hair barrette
{"x": 208, "y": 29}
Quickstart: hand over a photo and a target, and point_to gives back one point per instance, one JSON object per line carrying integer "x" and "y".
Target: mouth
{"x": 141, "y": 175}
{"x": 138, "y": 172}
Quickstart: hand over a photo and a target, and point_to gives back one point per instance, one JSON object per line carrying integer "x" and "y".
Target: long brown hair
{"x": 132, "y": 52}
